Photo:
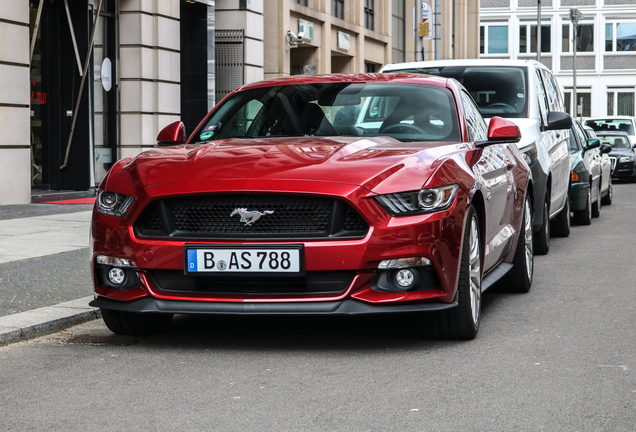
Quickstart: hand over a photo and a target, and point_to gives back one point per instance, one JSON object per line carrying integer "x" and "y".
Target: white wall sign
{"x": 107, "y": 72}
{"x": 344, "y": 41}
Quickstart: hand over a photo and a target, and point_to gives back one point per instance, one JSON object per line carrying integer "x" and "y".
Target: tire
{"x": 462, "y": 321}
{"x": 596, "y": 206}
{"x": 584, "y": 217}
{"x": 519, "y": 278}
{"x": 607, "y": 199}
{"x": 542, "y": 237}
{"x": 137, "y": 324}
{"x": 561, "y": 224}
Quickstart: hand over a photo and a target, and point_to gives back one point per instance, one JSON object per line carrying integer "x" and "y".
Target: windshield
{"x": 403, "y": 111}
{"x": 623, "y": 125}
{"x": 616, "y": 141}
{"x": 498, "y": 90}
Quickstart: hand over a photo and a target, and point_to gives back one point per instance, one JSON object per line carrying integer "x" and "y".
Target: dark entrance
{"x": 56, "y": 77}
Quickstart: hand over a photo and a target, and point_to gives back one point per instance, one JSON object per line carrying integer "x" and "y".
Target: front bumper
{"x": 436, "y": 236}
{"x": 342, "y": 307}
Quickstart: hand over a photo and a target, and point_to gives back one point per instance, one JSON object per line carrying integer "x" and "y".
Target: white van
{"x": 525, "y": 92}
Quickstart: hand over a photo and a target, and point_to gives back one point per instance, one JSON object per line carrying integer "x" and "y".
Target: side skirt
{"x": 495, "y": 274}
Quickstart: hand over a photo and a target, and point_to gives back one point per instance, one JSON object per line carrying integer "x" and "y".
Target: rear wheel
{"x": 607, "y": 200}
{"x": 584, "y": 217}
{"x": 596, "y": 207}
{"x": 519, "y": 279}
{"x": 561, "y": 224}
{"x": 138, "y": 324}
{"x": 542, "y": 237}
{"x": 462, "y": 321}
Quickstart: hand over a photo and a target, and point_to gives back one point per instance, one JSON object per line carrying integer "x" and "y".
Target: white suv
{"x": 525, "y": 92}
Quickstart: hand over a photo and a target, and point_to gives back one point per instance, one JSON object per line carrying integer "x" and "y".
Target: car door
{"x": 556, "y": 142}
{"x": 495, "y": 169}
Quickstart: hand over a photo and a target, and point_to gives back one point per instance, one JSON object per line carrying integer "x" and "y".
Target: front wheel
{"x": 561, "y": 224}
{"x": 596, "y": 207}
{"x": 137, "y": 324}
{"x": 584, "y": 217}
{"x": 607, "y": 200}
{"x": 542, "y": 238}
{"x": 519, "y": 278}
{"x": 462, "y": 321}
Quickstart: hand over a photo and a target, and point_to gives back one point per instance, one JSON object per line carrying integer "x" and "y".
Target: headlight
{"x": 112, "y": 204}
{"x": 626, "y": 159}
{"x": 530, "y": 153}
{"x": 418, "y": 202}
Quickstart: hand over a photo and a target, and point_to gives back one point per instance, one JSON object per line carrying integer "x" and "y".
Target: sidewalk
{"x": 44, "y": 272}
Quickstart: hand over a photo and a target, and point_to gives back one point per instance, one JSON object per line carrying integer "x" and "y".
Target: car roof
{"x": 610, "y": 118}
{"x": 403, "y": 78}
{"x": 462, "y": 62}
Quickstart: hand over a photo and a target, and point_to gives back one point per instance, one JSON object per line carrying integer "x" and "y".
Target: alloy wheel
{"x": 474, "y": 268}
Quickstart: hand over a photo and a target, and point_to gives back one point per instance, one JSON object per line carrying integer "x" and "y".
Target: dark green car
{"x": 590, "y": 184}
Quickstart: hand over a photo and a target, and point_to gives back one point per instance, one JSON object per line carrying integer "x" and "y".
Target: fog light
{"x": 404, "y": 278}
{"x": 116, "y": 276}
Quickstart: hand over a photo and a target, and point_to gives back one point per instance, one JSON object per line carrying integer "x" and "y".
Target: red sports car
{"x": 337, "y": 194}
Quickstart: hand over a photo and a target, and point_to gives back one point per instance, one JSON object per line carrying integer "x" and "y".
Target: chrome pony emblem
{"x": 248, "y": 217}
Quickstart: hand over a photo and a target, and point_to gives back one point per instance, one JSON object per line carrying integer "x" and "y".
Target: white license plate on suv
{"x": 216, "y": 259}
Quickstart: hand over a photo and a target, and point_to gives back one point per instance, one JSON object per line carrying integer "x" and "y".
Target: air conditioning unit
{"x": 307, "y": 28}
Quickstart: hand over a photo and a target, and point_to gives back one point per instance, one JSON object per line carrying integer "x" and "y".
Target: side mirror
{"x": 501, "y": 131}
{"x": 558, "y": 120}
{"x": 173, "y": 134}
{"x": 593, "y": 143}
{"x": 605, "y": 148}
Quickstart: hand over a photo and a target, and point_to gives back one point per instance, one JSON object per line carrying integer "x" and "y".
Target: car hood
{"x": 378, "y": 164}
{"x": 618, "y": 152}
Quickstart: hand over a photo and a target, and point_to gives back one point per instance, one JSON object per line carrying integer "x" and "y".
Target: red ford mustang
{"x": 338, "y": 194}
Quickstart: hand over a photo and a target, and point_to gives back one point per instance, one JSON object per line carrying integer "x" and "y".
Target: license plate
{"x": 216, "y": 259}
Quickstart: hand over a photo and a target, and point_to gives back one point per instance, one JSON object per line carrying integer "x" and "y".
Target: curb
{"x": 51, "y": 319}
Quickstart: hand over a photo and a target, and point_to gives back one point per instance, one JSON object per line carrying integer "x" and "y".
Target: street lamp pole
{"x": 538, "y": 30}
{"x": 575, "y": 16}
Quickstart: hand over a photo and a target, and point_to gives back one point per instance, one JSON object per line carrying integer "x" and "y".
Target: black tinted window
{"x": 498, "y": 90}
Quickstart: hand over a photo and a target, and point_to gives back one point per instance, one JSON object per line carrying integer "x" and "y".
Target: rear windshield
{"x": 623, "y": 125}
{"x": 616, "y": 141}
{"x": 498, "y": 90}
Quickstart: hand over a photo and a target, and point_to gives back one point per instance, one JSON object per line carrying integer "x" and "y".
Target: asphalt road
{"x": 560, "y": 358}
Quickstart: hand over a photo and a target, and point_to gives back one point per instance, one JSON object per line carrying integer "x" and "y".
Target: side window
{"x": 559, "y": 95}
{"x": 543, "y": 102}
{"x": 475, "y": 123}
{"x": 550, "y": 91}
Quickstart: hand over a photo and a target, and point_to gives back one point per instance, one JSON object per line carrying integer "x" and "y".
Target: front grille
{"x": 312, "y": 283}
{"x": 613, "y": 162}
{"x": 262, "y": 217}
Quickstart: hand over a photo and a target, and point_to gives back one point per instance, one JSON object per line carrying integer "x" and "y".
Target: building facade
{"x": 605, "y": 47}
{"x": 88, "y": 82}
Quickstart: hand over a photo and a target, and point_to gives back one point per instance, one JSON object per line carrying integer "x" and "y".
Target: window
{"x": 584, "y": 39}
{"x": 493, "y": 39}
{"x": 301, "y": 2}
{"x": 370, "y": 67}
{"x": 526, "y": 47}
{"x": 398, "y": 32}
{"x": 337, "y": 8}
{"x": 368, "y": 14}
{"x": 543, "y": 101}
{"x": 477, "y": 129}
{"x": 620, "y": 36}
{"x": 584, "y": 100}
{"x": 620, "y": 102}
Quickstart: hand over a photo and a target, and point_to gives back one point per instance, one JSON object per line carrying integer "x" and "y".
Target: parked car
{"x": 607, "y": 187}
{"x": 591, "y": 185}
{"x": 526, "y": 93}
{"x": 268, "y": 209}
{"x": 622, "y": 156}
{"x": 614, "y": 124}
